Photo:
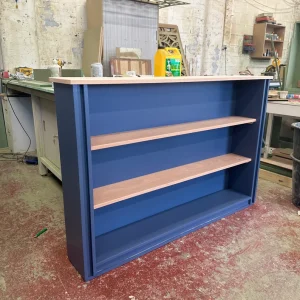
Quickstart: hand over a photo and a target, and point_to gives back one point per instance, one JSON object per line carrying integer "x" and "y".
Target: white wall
{"x": 206, "y": 26}
{"x": 41, "y": 30}
{"x": 1, "y": 57}
{"x": 243, "y": 17}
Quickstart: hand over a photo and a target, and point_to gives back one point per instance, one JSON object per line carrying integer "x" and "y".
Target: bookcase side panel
{"x": 73, "y": 150}
{"x": 251, "y": 101}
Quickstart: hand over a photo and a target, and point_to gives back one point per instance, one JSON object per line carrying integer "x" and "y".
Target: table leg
{"x": 268, "y": 135}
{"x": 37, "y": 117}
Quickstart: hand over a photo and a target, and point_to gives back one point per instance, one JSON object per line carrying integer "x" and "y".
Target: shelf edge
{"x": 165, "y": 135}
{"x": 153, "y": 188}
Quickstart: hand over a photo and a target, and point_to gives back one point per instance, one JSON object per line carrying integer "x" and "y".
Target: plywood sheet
{"x": 92, "y": 44}
{"x": 131, "y": 53}
{"x": 94, "y": 10}
{"x": 119, "y": 66}
{"x": 276, "y": 178}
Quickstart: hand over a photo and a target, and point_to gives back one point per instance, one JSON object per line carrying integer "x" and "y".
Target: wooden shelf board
{"x": 123, "y": 190}
{"x": 273, "y": 41}
{"x": 262, "y": 57}
{"x": 137, "y": 136}
{"x": 277, "y": 163}
{"x": 277, "y": 178}
{"x": 275, "y": 25}
{"x": 151, "y": 80}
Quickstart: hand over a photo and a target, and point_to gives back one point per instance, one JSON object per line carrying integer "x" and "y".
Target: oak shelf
{"x": 123, "y": 190}
{"x": 267, "y": 40}
{"x": 137, "y": 136}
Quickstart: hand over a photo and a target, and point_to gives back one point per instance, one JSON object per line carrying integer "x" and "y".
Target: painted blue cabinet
{"x": 146, "y": 161}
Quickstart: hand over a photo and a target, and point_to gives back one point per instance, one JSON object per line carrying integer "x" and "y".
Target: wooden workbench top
{"x": 45, "y": 87}
{"x": 149, "y": 80}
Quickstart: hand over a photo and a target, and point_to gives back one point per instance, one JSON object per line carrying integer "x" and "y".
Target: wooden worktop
{"x": 45, "y": 87}
{"x": 149, "y": 80}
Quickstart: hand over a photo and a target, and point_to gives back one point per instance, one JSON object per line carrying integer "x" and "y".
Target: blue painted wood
{"x": 121, "y": 163}
{"x": 121, "y": 108}
{"x": 132, "y": 241}
{"x": 123, "y": 213}
{"x": 90, "y": 213}
{"x": 251, "y": 100}
{"x": 100, "y": 240}
{"x": 260, "y": 138}
{"x": 74, "y": 157}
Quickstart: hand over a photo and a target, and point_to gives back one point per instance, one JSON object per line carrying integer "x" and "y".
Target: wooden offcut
{"x": 137, "y": 136}
{"x": 278, "y": 163}
{"x": 283, "y": 152}
{"x": 119, "y": 66}
{"x": 94, "y": 11}
{"x": 276, "y": 178}
{"x": 100, "y": 46}
{"x": 129, "y": 53}
{"x": 123, "y": 190}
{"x": 92, "y": 49}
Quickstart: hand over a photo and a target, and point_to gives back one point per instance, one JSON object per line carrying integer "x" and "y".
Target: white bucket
{"x": 54, "y": 71}
{"x": 283, "y": 94}
{"x": 97, "y": 70}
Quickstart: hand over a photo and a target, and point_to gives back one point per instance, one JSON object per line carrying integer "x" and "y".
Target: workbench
{"x": 148, "y": 160}
{"x": 278, "y": 108}
{"x": 40, "y": 122}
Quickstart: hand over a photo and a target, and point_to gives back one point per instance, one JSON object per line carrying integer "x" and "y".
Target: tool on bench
{"x": 56, "y": 68}
{"x": 60, "y": 62}
{"x": 25, "y": 70}
{"x": 275, "y": 68}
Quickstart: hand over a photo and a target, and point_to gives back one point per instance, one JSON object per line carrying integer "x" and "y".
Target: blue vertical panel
{"x": 251, "y": 100}
{"x": 90, "y": 198}
{"x": 260, "y": 138}
{"x": 74, "y": 153}
{"x": 119, "y": 108}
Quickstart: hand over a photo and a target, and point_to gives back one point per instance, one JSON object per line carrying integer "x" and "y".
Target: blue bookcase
{"x": 146, "y": 161}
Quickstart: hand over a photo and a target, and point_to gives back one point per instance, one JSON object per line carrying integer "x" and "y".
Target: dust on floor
{"x": 253, "y": 254}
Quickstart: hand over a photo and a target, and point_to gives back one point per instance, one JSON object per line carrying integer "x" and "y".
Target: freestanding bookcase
{"x": 146, "y": 161}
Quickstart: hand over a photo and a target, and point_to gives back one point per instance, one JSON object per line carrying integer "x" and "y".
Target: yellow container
{"x": 167, "y": 62}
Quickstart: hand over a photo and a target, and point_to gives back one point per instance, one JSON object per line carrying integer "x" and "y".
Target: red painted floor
{"x": 253, "y": 254}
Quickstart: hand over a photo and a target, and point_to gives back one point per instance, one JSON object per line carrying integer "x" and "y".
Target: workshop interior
{"x": 150, "y": 149}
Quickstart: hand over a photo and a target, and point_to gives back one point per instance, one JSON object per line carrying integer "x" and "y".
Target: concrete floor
{"x": 253, "y": 254}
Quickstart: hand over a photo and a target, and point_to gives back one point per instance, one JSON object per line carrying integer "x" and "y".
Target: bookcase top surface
{"x": 150, "y": 80}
